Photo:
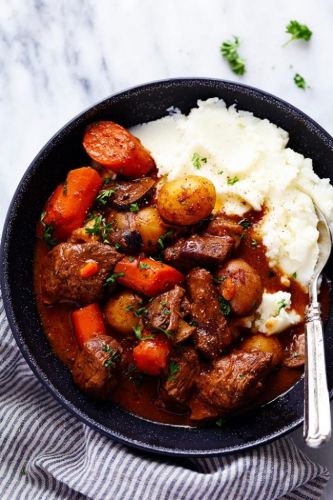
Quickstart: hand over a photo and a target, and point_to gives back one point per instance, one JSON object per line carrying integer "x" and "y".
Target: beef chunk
{"x": 212, "y": 334}
{"x": 61, "y": 276}
{"x": 94, "y": 369}
{"x": 233, "y": 379}
{"x": 164, "y": 310}
{"x": 183, "y": 370}
{"x": 241, "y": 286}
{"x": 295, "y": 354}
{"x": 223, "y": 225}
{"x": 128, "y": 192}
{"x": 206, "y": 249}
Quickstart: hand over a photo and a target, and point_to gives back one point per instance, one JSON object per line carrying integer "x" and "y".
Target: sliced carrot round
{"x": 115, "y": 147}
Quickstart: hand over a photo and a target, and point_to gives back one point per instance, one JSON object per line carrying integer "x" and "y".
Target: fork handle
{"x": 317, "y": 415}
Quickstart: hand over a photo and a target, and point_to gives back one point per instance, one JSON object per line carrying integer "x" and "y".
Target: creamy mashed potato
{"x": 248, "y": 161}
{"x": 274, "y": 314}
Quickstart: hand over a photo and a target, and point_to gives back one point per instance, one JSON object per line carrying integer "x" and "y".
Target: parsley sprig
{"x": 229, "y": 50}
{"x": 47, "y": 231}
{"x": 114, "y": 356}
{"x": 112, "y": 278}
{"x": 300, "y": 81}
{"x": 104, "y": 196}
{"x": 297, "y": 31}
{"x": 100, "y": 228}
{"x": 224, "y": 306}
{"x": 162, "y": 238}
{"x": 198, "y": 160}
{"x": 173, "y": 369}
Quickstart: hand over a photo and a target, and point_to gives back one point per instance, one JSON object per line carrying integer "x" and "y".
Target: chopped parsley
{"x": 166, "y": 311}
{"x": 139, "y": 312}
{"x": 220, "y": 422}
{"x": 117, "y": 246}
{"x": 112, "y": 278}
{"x": 294, "y": 275}
{"x": 104, "y": 196}
{"x": 219, "y": 279}
{"x": 300, "y": 81}
{"x": 100, "y": 228}
{"x": 47, "y": 233}
{"x": 224, "y": 306}
{"x": 173, "y": 370}
{"x": 282, "y": 305}
{"x": 167, "y": 333}
{"x": 129, "y": 308}
{"x": 198, "y": 160}
{"x": 242, "y": 375}
{"x": 220, "y": 172}
{"x": 232, "y": 180}
{"x": 229, "y": 50}
{"x": 114, "y": 356}
{"x": 254, "y": 243}
{"x": 64, "y": 189}
{"x": 163, "y": 237}
{"x": 298, "y": 32}
{"x": 134, "y": 207}
{"x": 107, "y": 181}
{"x": 245, "y": 223}
{"x": 142, "y": 265}
{"x": 138, "y": 333}
{"x": 130, "y": 258}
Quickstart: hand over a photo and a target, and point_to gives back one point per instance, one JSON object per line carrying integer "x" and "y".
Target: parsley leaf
{"x": 167, "y": 333}
{"x": 104, "y": 196}
{"x": 164, "y": 236}
{"x": 219, "y": 279}
{"x": 100, "y": 228}
{"x": 130, "y": 258}
{"x": 282, "y": 305}
{"x": 300, "y": 81}
{"x": 138, "y": 333}
{"x": 224, "y": 306}
{"x": 64, "y": 189}
{"x": 229, "y": 50}
{"x": 220, "y": 422}
{"x": 294, "y": 275}
{"x": 173, "y": 370}
{"x": 47, "y": 233}
{"x": 139, "y": 312}
{"x": 254, "y": 243}
{"x": 198, "y": 160}
{"x": 298, "y": 32}
{"x": 114, "y": 356}
{"x": 134, "y": 207}
{"x": 112, "y": 278}
{"x": 142, "y": 265}
{"x": 232, "y": 180}
{"x": 245, "y": 223}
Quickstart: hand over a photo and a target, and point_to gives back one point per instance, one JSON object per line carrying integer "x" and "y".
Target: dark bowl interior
{"x": 63, "y": 152}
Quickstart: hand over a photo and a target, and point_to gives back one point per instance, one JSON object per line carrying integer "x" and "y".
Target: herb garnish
{"x": 161, "y": 239}
{"x": 166, "y": 311}
{"x": 242, "y": 375}
{"x": 282, "y": 305}
{"x": 112, "y": 278}
{"x": 130, "y": 258}
{"x": 198, "y": 160}
{"x": 64, "y": 189}
{"x": 106, "y": 181}
{"x": 300, "y": 81}
{"x": 113, "y": 356}
{"x": 100, "y": 228}
{"x": 134, "y": 207}
{"x": 229, "y": 50}
{"x": 245, "y": 223}
{"x": 167, "y": 333}
{"x": 254, "y": 243}
{"x": 117, "y": 246}
{"x": 104, "y": 196}
{"x": 224, "y": 306}
{"x": 220, "y": 422}
{"x": 138, "y": 333}
{"x": 142, "y": 265}
{"x": 294, "y": 275}
{"x": 219, "y": 279}
{"x": 47, "y": 233}
{"x": 139, "y": 312}
{"x": 232, "y": 180}
{"x": 173, "y": 370}
{"x": 298, "y": 32}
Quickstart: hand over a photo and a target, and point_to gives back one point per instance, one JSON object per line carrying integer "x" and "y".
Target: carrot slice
{"x": 116, "y": 148}
{"x": 147, "y": 276}
{"x": 90, "y": 268}
{"x": 151, "y": 356}
{"x": 67, "y": 207}
{"x": 88, "y": 322}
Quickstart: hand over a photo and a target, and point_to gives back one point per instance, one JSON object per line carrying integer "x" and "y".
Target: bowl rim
{"x": 6, "y": 292}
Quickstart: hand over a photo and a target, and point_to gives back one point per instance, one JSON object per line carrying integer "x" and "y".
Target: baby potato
{"x": 186, "y": 200}
{"x": 151, "y": 227}
{"x": 119, "y": 311}
{"x": 262, "y": 343}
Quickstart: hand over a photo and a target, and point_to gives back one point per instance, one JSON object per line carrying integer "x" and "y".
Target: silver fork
{"x": 317, "y": 415}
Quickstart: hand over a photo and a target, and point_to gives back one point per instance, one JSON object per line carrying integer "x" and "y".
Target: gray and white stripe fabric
{"x": 46, "y": 453}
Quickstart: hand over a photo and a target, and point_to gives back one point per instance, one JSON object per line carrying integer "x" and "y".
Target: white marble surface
{"x": 58, "y": 57}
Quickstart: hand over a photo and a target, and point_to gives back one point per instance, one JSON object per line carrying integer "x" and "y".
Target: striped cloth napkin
{"x": 46, "y": 453}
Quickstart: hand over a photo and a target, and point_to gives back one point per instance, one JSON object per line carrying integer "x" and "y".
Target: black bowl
{"x": 63, "y": 152}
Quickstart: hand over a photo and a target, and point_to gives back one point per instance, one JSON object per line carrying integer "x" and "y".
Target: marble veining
{"x": 58, "y": 57}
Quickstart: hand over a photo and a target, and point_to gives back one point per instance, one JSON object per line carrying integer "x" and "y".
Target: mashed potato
{"x": 251, "y": 167}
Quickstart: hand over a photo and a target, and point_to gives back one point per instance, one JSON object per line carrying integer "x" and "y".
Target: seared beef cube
{"x": 233, "y": 379}
{"x": 241, "y": 286}
{"x": 94, "y": 369}
{"x": 206, "y": 249}
{"x": 128, "y": 192}
{"x": 164, "y": 310}
{"x": 295, "y": 355}
{"x": 183, "y": 332}
{"x": 183, "y": 369}
{"x": 223, "y": 225}
{"x": 212, "y": 334}
{"x": 62, "y": 279}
